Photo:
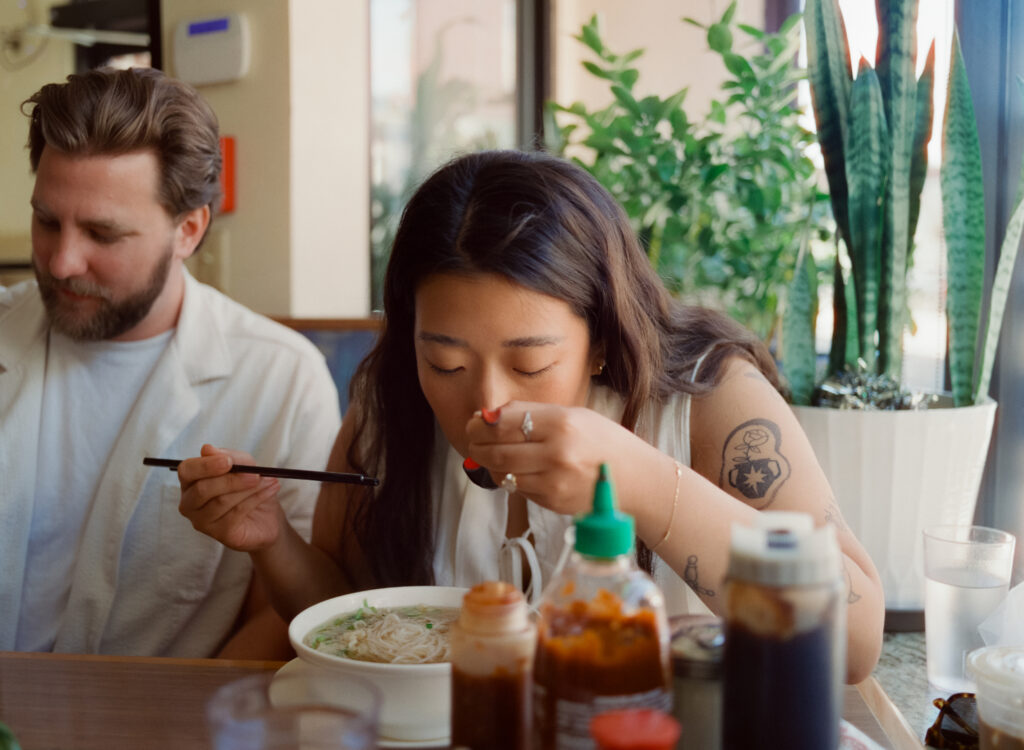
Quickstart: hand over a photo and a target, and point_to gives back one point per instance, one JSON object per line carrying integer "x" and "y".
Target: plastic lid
{"x": 605, "y": 531}
{"x": 697, "y": 646}
{"x": 783, "y": 548}
{"x": 999, "y": 672}
{"x": 494, "y": 607}
{"x": 634, "y": 729}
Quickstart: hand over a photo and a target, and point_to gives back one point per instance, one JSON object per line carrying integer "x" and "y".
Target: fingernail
{"x": 491, "y": 417}
{"x": 251, "y": 480}
{"x": 478, "y": 475}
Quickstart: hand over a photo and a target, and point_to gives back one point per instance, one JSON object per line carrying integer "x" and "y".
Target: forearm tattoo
{"x": 691, "y": 579}
{"x": 834, "y": 517}
{"x": 752, "y": 462}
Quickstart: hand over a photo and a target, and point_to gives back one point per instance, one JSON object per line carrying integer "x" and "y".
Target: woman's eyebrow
{"x": 440, "y": 338}
{"x": 525, "y": 341}
{"x": 516, "y": 343}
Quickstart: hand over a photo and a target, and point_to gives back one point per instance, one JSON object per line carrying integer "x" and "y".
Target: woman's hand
{"x": 238, "y": 510}
{"x": 557, "y": 464}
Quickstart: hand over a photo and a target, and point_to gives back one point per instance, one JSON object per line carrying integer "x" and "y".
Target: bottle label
{"x": 572, "y": 717}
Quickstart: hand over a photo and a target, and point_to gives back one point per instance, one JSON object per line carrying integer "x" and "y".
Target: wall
{"x": 675, "y": 56}
{"x": 17, "y": 83}
{"x": 297, "y": 242}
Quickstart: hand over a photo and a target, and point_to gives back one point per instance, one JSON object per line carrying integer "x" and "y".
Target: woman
{"x": 526, "y": 332}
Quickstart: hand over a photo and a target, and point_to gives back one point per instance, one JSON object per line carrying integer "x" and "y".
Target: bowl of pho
{"x": 398, "y": 639}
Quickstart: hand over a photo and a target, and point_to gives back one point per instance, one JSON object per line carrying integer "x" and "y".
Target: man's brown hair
{"x": 110, "y": 112}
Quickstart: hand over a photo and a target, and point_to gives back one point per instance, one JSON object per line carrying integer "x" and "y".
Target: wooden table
{"x": 73, "y": 702}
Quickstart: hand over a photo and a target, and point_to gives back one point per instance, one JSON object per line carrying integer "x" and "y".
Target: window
{"x": 447, "y": 76}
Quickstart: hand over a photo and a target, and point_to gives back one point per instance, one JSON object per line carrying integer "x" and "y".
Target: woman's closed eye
{"x": 533, "y": 373}
{"x": 444, "y": 370}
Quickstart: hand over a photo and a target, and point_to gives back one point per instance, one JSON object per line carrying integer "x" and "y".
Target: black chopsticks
{"x": 271, "y": 471}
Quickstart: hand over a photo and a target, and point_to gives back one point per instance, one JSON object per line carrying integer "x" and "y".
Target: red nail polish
{"x": 491, "y": 417}
{"x": 470, "y": 464}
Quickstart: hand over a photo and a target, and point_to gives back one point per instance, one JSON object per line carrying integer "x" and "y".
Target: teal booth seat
{"x": 343, "y": 341}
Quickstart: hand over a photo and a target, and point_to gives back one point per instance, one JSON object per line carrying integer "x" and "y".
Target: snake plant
{"x": 873, "y": 131}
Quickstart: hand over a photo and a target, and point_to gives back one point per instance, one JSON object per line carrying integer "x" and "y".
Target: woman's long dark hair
{"x": 548, "y": 225}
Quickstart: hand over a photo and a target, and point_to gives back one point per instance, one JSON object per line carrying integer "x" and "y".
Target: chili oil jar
{"x": 602, "y": 633}
{"x": 492, "y": 651}
{"x": 785, "y": 636}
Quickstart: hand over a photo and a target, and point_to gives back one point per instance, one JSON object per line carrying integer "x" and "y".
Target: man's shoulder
{"x": 246, "y": 328}
{"x": 18, "y": 294}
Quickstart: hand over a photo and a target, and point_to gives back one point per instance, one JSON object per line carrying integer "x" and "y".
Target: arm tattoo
{"x": 834, "y": 517}
{"x": 690, "y": 577}
{"x": 752, "y": 462}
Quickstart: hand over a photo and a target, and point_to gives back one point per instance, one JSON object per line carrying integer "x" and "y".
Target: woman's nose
{"x": 493, "y": 391}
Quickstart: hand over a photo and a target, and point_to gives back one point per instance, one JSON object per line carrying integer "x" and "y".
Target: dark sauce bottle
{"x": 785, "y": 636}
{"x": 493, "y": 646}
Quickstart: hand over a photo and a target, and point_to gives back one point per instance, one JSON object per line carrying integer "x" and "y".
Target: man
{"x": 115, "y": 353}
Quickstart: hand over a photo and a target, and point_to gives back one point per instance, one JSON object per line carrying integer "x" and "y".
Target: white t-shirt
{"x": 89, "y": 389}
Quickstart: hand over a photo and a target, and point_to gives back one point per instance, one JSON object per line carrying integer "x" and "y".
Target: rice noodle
{"x": 398, "y": 635}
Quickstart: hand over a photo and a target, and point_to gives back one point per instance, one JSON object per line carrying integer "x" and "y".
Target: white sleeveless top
{"x": 470, "y": 542}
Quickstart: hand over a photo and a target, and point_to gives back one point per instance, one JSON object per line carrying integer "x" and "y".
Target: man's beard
{"x": 112, "y": 318}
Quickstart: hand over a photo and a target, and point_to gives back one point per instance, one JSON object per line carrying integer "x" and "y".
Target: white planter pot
{"x": 895, "y": 472}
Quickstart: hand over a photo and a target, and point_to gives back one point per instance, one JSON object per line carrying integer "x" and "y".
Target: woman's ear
{"x": 597, "y": 360}
{"x": 190, "y": 231}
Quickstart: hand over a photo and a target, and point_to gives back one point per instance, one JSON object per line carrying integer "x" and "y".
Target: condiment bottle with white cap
{"x": 785, "y": 636}
{"x": 492, "y": 650}
{"x": 999, "y": 674}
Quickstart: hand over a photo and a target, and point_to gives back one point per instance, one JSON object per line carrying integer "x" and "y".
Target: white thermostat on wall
{"x": 212, "y": 50}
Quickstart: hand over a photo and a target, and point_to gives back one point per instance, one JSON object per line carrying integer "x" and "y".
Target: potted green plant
{"x": 721, "y": 199}
{"x": 894, "y": 471}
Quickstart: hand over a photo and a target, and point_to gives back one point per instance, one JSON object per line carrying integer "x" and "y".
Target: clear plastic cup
{"x": 999, "y": 674}
{"x": 311, "y": 711}
{"x": 967, "y": 574}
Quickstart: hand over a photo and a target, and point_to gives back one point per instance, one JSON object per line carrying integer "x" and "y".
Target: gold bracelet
{"x": 672, "y": 514}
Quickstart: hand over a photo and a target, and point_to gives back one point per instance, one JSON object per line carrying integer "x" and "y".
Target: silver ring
{"x": 509, "y": 483}
{"x": 527, "y": 426}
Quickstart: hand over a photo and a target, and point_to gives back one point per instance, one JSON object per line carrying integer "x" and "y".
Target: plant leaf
{"x": 867, "y": 172}
{"x": 837, "y": 356}
{"x": 590, "y": 35}
{"x": 830, "y": 76}
{"x": 922, "y": 134}
{"x": 896, "y": 56}
{"x": 801, "y": 310}
{"x": 963, "y": 218}
{"x": 997, "y": 302}
{"x": 720, "y": 38}
{"x": 1001, "y": 286}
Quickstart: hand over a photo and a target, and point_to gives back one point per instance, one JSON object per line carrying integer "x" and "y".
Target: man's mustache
{"x": 81, "y": 287}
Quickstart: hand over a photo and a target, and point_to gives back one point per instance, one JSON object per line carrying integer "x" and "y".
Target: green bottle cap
{"x": 605, "y": 531}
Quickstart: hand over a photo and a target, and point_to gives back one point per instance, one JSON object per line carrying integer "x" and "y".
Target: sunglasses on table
{"x": 956, "y": 726}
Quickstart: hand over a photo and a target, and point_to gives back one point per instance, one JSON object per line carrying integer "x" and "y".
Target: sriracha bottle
{"x": 602, "y": 635}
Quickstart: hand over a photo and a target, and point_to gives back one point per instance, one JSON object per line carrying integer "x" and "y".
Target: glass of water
{"x": 299, "y": 711}
{"x": 967, "y": 574}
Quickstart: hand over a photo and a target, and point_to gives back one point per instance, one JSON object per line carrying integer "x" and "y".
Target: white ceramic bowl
{"x": 417, "y": 697}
